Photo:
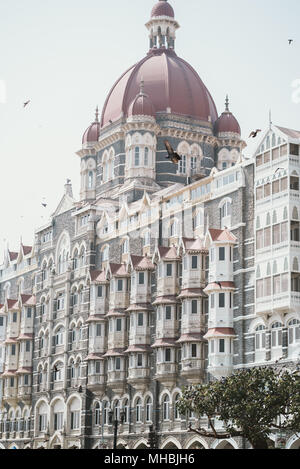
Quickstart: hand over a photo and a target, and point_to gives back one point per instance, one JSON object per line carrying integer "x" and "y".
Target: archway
{"x": 171, "y": 443}
{"x": 224, "y": 445}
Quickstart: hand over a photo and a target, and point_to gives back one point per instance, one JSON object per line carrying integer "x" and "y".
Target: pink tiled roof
{"x": 195, "y": 245}
{"x": 11, "y": 304}
{"x": 28, "y": 300}
{"x": 119, "y": 270}
{"x": 165, "y": 342}
{"x": 222, "y": 235}
{"x": 142, "y": 263}
{"x": 192, "y": 293}
{"x": 165, "y": 300}
{"x": 220, "y": 332}
{"x": 98, "y": 276}
{"x": 13, "y": 255}
{"x": 192, "y": 337}
{"x": 168, "y": 253}
{"x": 26, "y": 249}
{"x": 93, "y": 356}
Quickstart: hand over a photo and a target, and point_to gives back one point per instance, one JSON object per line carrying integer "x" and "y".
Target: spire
{"x": 97, "y": 115}
{"x": 142, "y": 87}
{"x": 227, "y": 104}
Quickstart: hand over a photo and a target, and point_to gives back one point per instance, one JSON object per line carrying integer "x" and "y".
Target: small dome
{"x": 162, "y": 8}
{"x": 141, "y": 105}
{"x": 92, "y": 133}
{"x": 227, "y": 123}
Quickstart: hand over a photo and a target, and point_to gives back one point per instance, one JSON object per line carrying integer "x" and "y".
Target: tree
{"x": 251, "y": 403}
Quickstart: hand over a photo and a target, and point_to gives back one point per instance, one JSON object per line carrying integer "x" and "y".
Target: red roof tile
{"x": 222, "y": 235}
{"x": 220, "y": 332}
{"x": 142, "y": 263}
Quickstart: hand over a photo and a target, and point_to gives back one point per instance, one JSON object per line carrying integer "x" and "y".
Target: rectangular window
{"x": 119, "y": 325}
{"x": 75, "y": 417}
{"x": 100, "y": 291}
{"x": 194, "y": 306}
{"x": 98, "y": 368}
{"x": 13, "y": 350}
{"x": 58, "y": 421}
{"x": 221, "y": 300}
{"x": 169, "y": 270}
{"x": 120, "y": 285}
{"x": 98, "y": 330}
{"x": 26, "y": 380}
{"x": 140, "y": 319}
{"x": 194, "y": 350}
{"x": 221, "y": 345}
{"x": 118, "y": 363}
{"x": 194, "y": 262}
{"x": 15, "y": 317}
{"x": 221, "y": 254}
{"x": 168, "y": 355}
{"x": 28, "y": 313}
{"x": 27, "y": 348}
{"x": 141, "y": 278}
{"x": 168, "y": 313}
{"x": 1, "y": 321}
{"x": 140, "y": 360}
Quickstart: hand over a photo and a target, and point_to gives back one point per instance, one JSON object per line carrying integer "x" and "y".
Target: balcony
{"x": 166, "y": 373}
{"x": 139, "y": 378}
{"x": 96, "y": 382}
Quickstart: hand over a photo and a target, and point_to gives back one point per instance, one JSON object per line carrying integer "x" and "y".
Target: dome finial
{"x": 142, "y": 87}
{"x": 97, "y": 115}
{"x": 227, "y": 104}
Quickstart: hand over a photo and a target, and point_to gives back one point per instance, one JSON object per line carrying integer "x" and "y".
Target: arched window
{"x": 97, "y": 414}
{"x": 59, "y": 336}
{"x": 276, "y": 336}
{"x": 105, "y": 254}
{"x": 174, "y": 228}
{"x": 126, "y": 411}
{"x": 138, "y": 410}
{"x": 146, "y": 157}
{"x": 149, "y": 409}
{"x": 176, "y": 411}
{"x": 295, "y": 265}
{"x": 137, "y": 156}
{"x": 294, "y": 331}
{"x": 75, "y": 260}
{"x": 260, "y": 338}
{"x": 125, "y": 246}
{"x": 225, "y": 210}
{"x": 295, "y": 214}
{"x": 90, "y": 179}
{"x": 166, "y": 408}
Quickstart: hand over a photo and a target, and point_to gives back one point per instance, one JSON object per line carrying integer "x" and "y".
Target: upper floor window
{"x": 137, "y": 156}
{"x": 260, "y": 337}
{"x": 294, "y": 331}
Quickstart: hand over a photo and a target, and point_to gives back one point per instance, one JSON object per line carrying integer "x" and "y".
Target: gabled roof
{"x": 141, "y": 263}
{"x": 12, "y": 255}
{"x": 11, "y": 304}
{"x": 28, "y": 300}
{"x": 168, "y": 253}
{"x": 222, "y": 235}
{"x": 289, "y": 132}
{"x": 193, "y": 245}
{"x": 119, "y": 270}
{"x": 26, "y": 249}
{"x": 98, "y": 276}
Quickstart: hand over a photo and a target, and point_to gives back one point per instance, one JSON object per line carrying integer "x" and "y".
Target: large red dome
{"x": 171, "y": 84}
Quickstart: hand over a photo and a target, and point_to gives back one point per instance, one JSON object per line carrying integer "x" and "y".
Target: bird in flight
{"x": 254, "y": 133}
{"x": 290, "y": 41}
{"x": 26, "y": 104}
{"x": 219, "y": 283}
{"x": 172, "y": 155}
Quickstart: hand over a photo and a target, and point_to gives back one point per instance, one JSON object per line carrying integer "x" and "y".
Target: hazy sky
{"x": 65, "y": 55}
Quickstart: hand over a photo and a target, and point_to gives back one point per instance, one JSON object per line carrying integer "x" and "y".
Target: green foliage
{"x": 251, "y": 403}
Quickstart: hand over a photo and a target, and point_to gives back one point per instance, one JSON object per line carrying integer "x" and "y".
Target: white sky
{"x": 65, "y": 55}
